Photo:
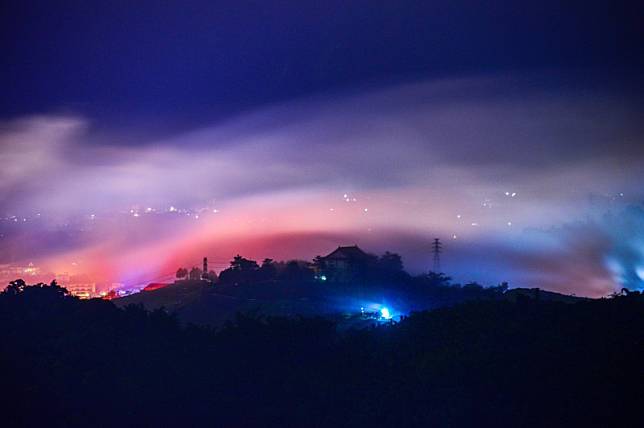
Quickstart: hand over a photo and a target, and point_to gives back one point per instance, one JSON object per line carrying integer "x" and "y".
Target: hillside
{"x": 529, "y": 363}
{"x": 201, "y": 303}
{"x": 539, "y": 294}
{"x": 173, "y": 297}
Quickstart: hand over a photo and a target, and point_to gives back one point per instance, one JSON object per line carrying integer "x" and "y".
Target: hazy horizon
{"x": 512, "y": 134}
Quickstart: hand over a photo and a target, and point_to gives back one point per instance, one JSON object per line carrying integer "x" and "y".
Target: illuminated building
{"x": 115, "y": 286}
{"x": 78, "y": 285}
{"x": 12, "y": 272}
{"x": 31, "y": 270}
{"x": 29, "y": 273}
{"x": 83, "y": 290}
{"x": 63, "y": 278}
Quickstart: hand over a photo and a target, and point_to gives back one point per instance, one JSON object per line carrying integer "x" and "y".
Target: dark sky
{"x": 186, "y": 61}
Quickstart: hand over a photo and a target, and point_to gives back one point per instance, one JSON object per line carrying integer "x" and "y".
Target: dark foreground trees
{"x": 67, "y": 362}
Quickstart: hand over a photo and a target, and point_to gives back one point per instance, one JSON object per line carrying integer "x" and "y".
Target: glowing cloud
{"x": 388, "y": 169}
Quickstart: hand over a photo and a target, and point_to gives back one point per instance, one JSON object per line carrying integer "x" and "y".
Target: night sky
{"x": 139, "y": 136}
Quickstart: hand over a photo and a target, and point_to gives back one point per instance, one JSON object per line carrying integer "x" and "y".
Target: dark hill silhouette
{"x": 172, "y": 297}
{"x": 301, "y": 288}
{"x": 344, "y": 282}
{"x": 529, "y": 363}
{"x": 538, "y": 294}
{"x": 201, "y": 303}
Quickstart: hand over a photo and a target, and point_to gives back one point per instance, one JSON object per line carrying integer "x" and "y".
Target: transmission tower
{"x": 437, "y": 248}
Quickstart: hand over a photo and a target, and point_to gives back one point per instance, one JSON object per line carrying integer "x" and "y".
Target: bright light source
{"x": 384, "y": 312}
{"x": 323, "y": 277}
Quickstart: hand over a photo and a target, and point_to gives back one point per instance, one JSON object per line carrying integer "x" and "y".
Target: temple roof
{"x": 350, "y": 252}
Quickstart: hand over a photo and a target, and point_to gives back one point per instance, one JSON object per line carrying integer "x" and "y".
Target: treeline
{"x": 372, "y": 269}
{"x": 383, "y": 274}
{"x": 67, "y": 362}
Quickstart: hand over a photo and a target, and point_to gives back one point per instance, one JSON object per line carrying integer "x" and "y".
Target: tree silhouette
{"x": 295, "y": 271}
{"x": 195, "y": 274}
{"x": 437, "y": 279}
{"x": 15, "y": 287}
{"x": 390, "y": 262}
{"x": 241, "y": 270}
{"x": 240, "y": 263}
{"x": 211, "y": 276}
{"x": 319, "y": 264}
{"x": 182, "y": 273}
{"x": 268, "y": 270}
{"x": 484, "y": 362}
{"x": 19, "y": 286}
